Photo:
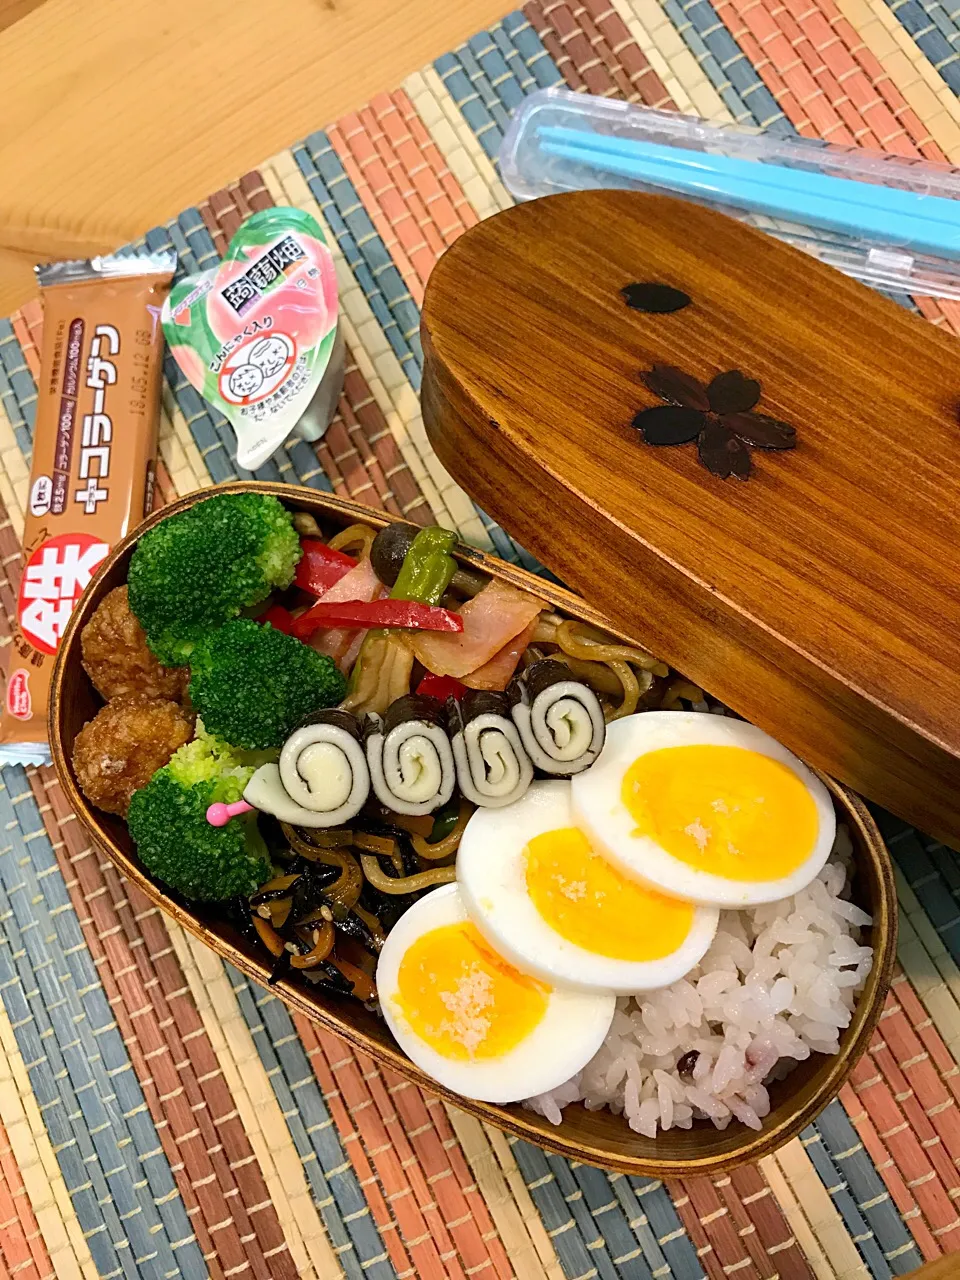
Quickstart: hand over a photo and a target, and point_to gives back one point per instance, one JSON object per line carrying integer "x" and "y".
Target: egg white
{"x": 491, "y": 873}
{"x": 600, "y": 812}
{"x": 566, "y": 1038}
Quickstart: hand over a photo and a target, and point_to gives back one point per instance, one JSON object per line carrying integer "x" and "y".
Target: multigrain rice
{"x": 779, "y": 982}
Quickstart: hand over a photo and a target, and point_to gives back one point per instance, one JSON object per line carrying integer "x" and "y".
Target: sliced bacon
{"x": 491, "y": 620}
{"x": 497, "y": 673}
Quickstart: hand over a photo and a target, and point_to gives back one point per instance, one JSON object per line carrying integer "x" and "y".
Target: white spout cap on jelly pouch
{"x": 258, "y": 336}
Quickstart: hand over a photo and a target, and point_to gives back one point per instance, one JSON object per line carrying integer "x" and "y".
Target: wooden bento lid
{"x": 819, "y": 597}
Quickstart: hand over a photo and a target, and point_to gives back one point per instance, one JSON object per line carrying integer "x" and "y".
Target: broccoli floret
{"x": 253, "y": 685}
{"x": 168, "y": 822}
{"x": 193, "y": 572}
{"x": 244, "y": 761}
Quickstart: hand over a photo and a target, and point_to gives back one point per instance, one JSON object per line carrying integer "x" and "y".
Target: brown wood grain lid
{"x": 820, "y": 596}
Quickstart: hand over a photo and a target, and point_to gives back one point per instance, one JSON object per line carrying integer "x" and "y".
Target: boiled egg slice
{"x": 541, "y": 894}
{"x": 472, "y": 1021}
{"x": 705, "y": 807}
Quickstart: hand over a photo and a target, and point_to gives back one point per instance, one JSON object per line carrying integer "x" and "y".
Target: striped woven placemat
{"x": 161, "y": 1117}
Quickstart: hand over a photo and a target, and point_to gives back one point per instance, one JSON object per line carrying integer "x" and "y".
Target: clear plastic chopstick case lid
{"x": 530, "y": 168}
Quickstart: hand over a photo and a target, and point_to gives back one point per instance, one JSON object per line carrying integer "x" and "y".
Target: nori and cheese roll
{"x": 493, "y": 769}
{"x": 560, "y": 720}
{"x": 322, "y": 779}
{"x": 409, "y": 756}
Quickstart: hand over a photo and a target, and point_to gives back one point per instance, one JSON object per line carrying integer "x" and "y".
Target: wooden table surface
{"x": 945, "y": 1268}
{"x": 120, "y": 113}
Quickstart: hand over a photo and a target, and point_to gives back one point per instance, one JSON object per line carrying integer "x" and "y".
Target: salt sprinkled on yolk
{"x": 724, "y": 810}
{"x": 588, "y": 902}
{"x": 463, "y": 999}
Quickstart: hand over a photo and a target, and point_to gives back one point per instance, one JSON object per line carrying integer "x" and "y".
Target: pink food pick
{"x": 218, "y": 815}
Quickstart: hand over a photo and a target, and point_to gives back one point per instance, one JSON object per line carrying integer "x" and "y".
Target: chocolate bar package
{"x": 94, "y": 457}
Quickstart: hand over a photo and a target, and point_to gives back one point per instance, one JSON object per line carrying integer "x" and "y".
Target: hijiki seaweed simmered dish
{"x": 554, "y": 868}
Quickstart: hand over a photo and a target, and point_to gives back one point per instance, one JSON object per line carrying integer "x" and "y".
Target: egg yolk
{"x": 464, "y": 1000}
{"x": 588, "y": 902}
{"x": 725, "y": 810}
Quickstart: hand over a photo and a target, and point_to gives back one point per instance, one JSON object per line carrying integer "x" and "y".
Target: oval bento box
{"x": 596, "y": 1137}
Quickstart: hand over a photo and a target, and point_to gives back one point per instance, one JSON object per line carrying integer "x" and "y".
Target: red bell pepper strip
{"x": 442, "y": 687}
{"x": 376, "y": 613}
{"x": 280, "y": 619}
{"x": 321, "y": 566}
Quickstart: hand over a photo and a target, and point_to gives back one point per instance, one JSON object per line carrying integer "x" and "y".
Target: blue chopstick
{"x": 901, "y": 230}
{"x": 804, "y": 181}
{"x": 909, "y": 231}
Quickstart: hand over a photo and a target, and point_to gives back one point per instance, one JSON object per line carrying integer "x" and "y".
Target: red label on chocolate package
{"x": 53, "y": 580}
{"x": 19, "y": 702}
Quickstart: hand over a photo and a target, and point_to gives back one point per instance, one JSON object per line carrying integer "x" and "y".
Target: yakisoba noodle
{"x": 617, "y": 658}
{"x": 405, "y": 884}
{"x": 356, "y": 538}
{"x": 449, "y": 844}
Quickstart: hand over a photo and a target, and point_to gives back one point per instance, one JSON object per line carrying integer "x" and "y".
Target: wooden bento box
{"x": 595, "y": 1137}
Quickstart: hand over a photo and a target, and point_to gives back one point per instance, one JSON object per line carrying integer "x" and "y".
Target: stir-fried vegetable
{"x": 409, "y": 614}
{"x": 382, "y": 671}
{"x": 405, "y": 884}
{"x": 280, "y": 619}
{"x": 427, "y": 568}
{"x": 390, "y": 548}
{"x": 441, "y": 687}
{"x": 447, "y": 831}
{"x": 343, "y": 643}
{"x": 321, "y": 566}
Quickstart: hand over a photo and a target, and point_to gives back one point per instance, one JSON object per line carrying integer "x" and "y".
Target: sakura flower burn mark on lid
{"x": 719, "y": 417}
